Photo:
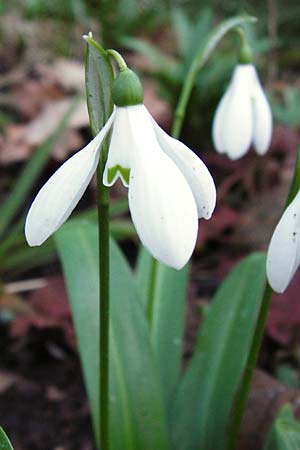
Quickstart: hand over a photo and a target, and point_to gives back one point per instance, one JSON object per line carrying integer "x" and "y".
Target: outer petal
{"x": 235, "y": 131}
{"x": 193, "y": 168}
{"x": 119, "y": 155}
{"x": 58, "y": 197}
{"x": 262, "y": 115}
{"x": 218, "y": 121}
{"x": 284, "y": 249}
{"x": 161, "y": 202}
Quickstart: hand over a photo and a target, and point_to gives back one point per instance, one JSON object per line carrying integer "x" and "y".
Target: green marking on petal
{"x": 112, "y": 173}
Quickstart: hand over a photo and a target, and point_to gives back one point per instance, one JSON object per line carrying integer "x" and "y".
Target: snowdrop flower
{"x": 169, "y": 187}
{"x": 243, "y": 116}
{"x": 283, "y": 257}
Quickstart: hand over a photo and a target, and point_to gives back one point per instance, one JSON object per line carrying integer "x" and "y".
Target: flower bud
{"x": 127, "y": 89}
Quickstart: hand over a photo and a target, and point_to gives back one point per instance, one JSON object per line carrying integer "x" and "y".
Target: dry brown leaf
{"x": 69, "y": 74}
{"x": 7, "y": 379}
{"x": 14, "y": 147}
{"x": 52, "y": 114}
{"x": 20, "y": 140}
{"x": 159, "y": 108}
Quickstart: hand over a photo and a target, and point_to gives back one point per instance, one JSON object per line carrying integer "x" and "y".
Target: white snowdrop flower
{"x": 243, "y": 116}
{"x": 283, "y": 257}
{"x": 169, "y": 187}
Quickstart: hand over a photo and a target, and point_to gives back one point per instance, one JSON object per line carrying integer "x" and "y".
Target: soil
{"x": 44, "y": 406}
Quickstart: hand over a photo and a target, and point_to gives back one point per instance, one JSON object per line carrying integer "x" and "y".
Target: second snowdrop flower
{"x": 169, "y": 187}
{"x": 243, "y": 116}
{"x": 283, "y": 257}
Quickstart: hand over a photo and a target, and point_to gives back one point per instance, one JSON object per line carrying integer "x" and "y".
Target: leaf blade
{"x": 285, "y": 431}
{"x": 167, "y": 317}
{"x": 137, "y": 419}
{"x": 5, "y": 443}
{"x": 208, "y": 387}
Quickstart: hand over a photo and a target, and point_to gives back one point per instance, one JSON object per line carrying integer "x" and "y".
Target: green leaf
{"x": 98, "y": 80}
{"x": 164, "y": 304}
{"x": 137, "y": 417}
{"x": 206, "y": 394}
{"x": 5, "y": 443}
{"x": 285, "y": 431}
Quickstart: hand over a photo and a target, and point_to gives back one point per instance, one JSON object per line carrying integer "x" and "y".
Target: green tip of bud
{"x": 245, "y": 53}
{"x": 127, "y": 89}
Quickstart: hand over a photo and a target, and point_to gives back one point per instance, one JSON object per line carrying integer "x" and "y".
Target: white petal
{"x": 284, "y": 250}
{"x": 262, "y": 115}
{"x": 161, "y": 202}
{"x": 119, "y": 155}
{"x": 193, "y": 168}
{"x": 218, "y": 121}
{"x": 235, "y": 131}
{"x": 58, "y": 197}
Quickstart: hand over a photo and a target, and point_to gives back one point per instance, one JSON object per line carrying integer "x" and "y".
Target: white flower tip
{"x": 284, "y": 250}
{"x": 277, "y": 284}
{"x": 176, "y": 261}
{"x": 31, "y": 239}
{"x": 86, "y": 36}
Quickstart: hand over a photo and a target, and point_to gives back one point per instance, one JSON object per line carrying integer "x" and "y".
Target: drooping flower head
{"x": 243, "y": 116}
{"x": 283, "y": 257}
{"x": 169, "y": 187}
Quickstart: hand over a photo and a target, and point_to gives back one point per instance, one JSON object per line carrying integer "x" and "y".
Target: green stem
{"x": 103, "y": 222}
{"x": 118, "y": 58}
{"x": 184, "y": 98}
{"x": 242, "y": 395}
{"x": 151, "y": 291}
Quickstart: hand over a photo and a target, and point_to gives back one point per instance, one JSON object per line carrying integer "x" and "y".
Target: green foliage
{"x": 288, "y": 375}
{"x": 206, "y": 393}
{"x": 137, "y": 415}
{"x": 164, "y": 306}
{"x": 5, "y": 443}
{"x": 69, "y": 10}
{"x": 285, "y": 431}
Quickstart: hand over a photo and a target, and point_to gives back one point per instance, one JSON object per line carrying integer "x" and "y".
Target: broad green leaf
{"x": 5, "y": 443}
{"x": 137, "y": 417}
{"x": 162, "y": 291}
{"x": 206, "y": 394}
{"x": 98, "y": 81}
{"x": 285, "y": 431}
